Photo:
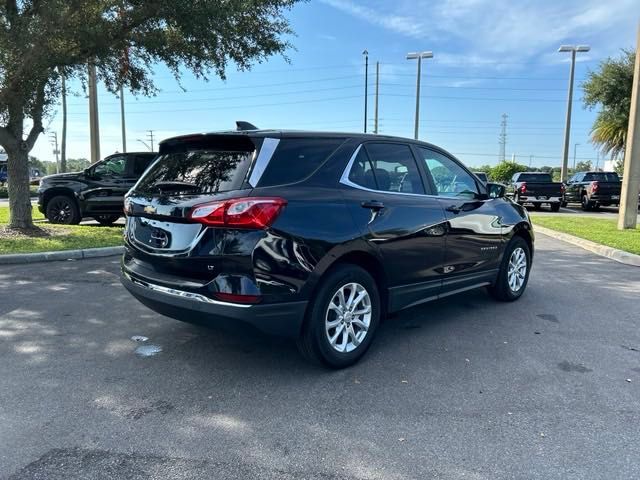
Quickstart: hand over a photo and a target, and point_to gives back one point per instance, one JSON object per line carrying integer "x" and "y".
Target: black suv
{"x": 316, "y": 236}
{"x": 96, "y": 192}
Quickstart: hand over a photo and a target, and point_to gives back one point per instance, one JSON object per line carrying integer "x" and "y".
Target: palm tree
{"x": 610, "y": 88}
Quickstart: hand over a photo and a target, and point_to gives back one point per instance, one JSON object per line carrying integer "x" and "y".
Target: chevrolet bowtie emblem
{"x": 150, "y": 209}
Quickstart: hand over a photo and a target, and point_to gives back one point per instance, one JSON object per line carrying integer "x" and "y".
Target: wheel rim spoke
{"x": 517, "y": 269}
{"x": 348, "y": 317}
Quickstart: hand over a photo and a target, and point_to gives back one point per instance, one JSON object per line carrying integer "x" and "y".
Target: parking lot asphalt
{"x": 610, "y": 213}
{"x": 544, "y": 388}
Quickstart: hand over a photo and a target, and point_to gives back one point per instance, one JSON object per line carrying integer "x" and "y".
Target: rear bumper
{"x": 535, "y": 199}
{"x": 281, "y": 319}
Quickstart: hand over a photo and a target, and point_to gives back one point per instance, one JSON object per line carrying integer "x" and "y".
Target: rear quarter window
{"x": 297, "y": 158}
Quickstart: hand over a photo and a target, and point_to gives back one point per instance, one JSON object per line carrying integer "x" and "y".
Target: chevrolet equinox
{"x": 316, "y": 236}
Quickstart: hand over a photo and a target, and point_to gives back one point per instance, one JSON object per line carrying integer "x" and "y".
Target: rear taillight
{"x": 127, "y": 206}
{"x": 523, "y": 188}
{"x": 595, "y": 186}
{"x": 563, "y": 188}
{"x": 237, "y": 298}
{"x": 248, "y": 212}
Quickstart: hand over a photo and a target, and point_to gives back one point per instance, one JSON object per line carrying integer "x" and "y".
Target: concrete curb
{"x": 58, "y": 256}
{"x": 602, "y": 250}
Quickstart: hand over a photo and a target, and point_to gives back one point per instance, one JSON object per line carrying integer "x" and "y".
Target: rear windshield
{"x": 601, "y": 177}
{"x": 535, "y": 177}
{"x": 196, "y": 172}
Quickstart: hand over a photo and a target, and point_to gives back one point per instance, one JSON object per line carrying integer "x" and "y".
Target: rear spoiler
{"x": 218, "y": 141}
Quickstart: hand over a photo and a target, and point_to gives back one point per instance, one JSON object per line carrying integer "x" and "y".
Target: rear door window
{"x": 297, "y": 158}
{"x": 394, "y": 168}
{"x": 140, "y": 163}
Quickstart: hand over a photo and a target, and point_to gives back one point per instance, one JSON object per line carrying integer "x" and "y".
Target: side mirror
{"x": 495, "y": 190}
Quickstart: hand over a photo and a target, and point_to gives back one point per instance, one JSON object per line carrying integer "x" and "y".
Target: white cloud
{"x": 501, "y": 30}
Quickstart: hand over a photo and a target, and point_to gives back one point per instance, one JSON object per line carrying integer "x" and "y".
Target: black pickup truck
{"x": 536, "y": 188}
{"x": 593, "y": 189}
{"x": 96, "y": 192}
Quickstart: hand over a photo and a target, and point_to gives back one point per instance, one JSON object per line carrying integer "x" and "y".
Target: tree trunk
{"x": 18, "y": 189}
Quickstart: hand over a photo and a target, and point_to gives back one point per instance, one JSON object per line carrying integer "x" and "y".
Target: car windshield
{"x": 601, "y": 177}
{"x": 196, "y": 172}
{"x": 535, "y": 177}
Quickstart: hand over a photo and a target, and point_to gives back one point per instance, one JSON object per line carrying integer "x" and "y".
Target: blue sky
{"x": 490, "y": 58}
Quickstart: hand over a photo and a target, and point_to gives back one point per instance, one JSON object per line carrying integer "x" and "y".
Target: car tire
{"x": 513, "y": 275}
{"x": 328, "y": 317}
{"x": 62, "y": 209}
{"x": 106, "y": 220}
{"x": 555, "y": 207}
{"x": 537, "y": 206}
{"x": 586, "y": 204}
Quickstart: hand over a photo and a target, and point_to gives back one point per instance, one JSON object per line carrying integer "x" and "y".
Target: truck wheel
{"x": 513, "y": 275}
{"x": 586, "y": 204}
{"x": 106, "y": 219}
{"x": 341, "y": 319}
{"x": 63, "y": 209}
{"x": 555, "y": 207}
{"x": 537, "y": 206}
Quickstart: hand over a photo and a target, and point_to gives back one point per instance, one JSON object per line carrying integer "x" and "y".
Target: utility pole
{"x": 366, "y": 87}
{"x": 122, "y": 124}
{"x": 530, "y": 159}
{"x": 575, "y": 147}
{"x": 502, "y": 139}
{"x": 63, "y": 143}
{"x": 150, "y": 138}
{"x": 375, "y": 125}
{"x": 628, "y": 216}
{"x": 567, "y": 129}
{"x": 54, "y": 141}
{"x": 419, "y": 56}
{"x": 94, "y": 124}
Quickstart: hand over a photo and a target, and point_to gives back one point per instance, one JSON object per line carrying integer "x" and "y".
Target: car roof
{"x": 275, "y": 133}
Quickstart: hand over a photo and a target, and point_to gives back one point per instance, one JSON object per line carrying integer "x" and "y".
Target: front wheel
{"x": 342, "y": 318}
{"x": 555, "y": 207}
{"x": 513, "y": 275}
{"x": 586, "y": 204}
{"x": 64, "y": 210}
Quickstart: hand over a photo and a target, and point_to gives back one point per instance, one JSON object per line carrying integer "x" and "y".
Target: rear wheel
{"x": 586, "y": 204}
{"x": 513, "y": 275}
{"x": 64, "y": 210}
{"x": 106, "y": 219}
{"x": 537, "y": 206}
{"x": 555, "y": 207}
{"x": 342, "y": 318}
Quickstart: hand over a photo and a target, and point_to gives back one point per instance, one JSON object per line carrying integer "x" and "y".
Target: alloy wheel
{"x": 348, "y": 317}
{"x": 517, "y": 271}
{"x": 61, "y": 211}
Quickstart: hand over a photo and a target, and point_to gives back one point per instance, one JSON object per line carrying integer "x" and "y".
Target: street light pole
{"x": 567, "y": 129}
{"x": 366, "y": 86}
{"x": 375, "y": 123}
{"x": 122, "y": 124}
{"x": 419, "y": 56}
{"x": 94, "y": 124}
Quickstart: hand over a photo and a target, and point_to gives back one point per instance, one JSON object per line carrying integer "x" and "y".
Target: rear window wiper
{"x": 175, "y": 185}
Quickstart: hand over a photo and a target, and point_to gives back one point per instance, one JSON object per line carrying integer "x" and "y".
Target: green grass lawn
{"x": 599, "y": 230}
{"x": 58, "y": 237}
